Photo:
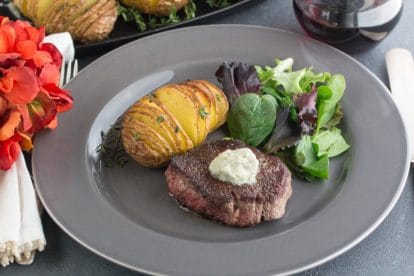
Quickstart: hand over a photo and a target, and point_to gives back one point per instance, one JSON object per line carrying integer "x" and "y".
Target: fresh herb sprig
{"x": 111, "y": 151}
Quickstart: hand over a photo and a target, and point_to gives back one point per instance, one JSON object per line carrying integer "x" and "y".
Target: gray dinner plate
{"x": 126, "y": 214}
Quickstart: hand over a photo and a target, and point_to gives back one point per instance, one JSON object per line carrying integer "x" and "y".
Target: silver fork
{"x": 68, "y": 70}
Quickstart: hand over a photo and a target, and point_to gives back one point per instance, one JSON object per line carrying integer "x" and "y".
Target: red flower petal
{"x": 53, "y": 124}
{"x": 8, "y": 38}
{"x": 9, "y": 124}
{"x": 26, "y": 141}
{"x": 35, "y": 35}
{"x": 42, "y": 111}
{"x": 3, "y": 106}
{"x": 4, "y": 42}
{"x": 61, "y": 97}
{"x": 54, "y": 53}
{"x": 9, "y": 151}
{"x": 26, "y": 48}
{"x": 6, "y": 84}
{"x": 40, "y": 58}
{"x": 50, "y": 74}
{"x": 26, "y": 120}
{"x": 25, "y": 85}
{"x": 3, "y": 20}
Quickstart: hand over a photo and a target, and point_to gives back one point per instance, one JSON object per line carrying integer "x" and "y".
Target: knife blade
{"x": 400, "y": 67}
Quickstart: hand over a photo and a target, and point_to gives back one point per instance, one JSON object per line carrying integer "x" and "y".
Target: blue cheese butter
{"x": 238, "y": 167}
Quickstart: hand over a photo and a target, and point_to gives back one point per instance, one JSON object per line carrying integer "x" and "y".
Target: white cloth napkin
{"x": 21, "y": 232}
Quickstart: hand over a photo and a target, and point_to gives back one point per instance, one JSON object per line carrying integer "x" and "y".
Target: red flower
{"x": 9, "y": 151}
{"x": 19, "y": 85}
{"x": 29, "y": 94}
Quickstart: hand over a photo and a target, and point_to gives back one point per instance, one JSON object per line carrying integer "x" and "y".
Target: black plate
{"x": 125, "y": 32}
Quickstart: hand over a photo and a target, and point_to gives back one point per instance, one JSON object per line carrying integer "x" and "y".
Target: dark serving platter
{"x": 127, "y": 31}
{"x": 124, "y": 32}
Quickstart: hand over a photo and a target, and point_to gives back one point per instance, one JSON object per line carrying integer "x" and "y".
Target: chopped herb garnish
{"x": 136, "y": 137}
{"x": 203, "y": 112}
{"x": 160, "y": 119}
{"x": 218, "y": 98}
{"x": 177, "y": 129}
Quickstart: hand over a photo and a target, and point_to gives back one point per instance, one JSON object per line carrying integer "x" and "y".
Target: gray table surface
{"x": 387, "y": 251}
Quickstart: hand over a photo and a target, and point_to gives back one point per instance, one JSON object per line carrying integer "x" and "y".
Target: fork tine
{"x": 75, "y": 68}
{"x": 62, "y": 73}
{"x": 69, "y": 71}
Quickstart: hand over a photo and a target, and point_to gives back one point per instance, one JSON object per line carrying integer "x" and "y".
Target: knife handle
{"x": 400, "y": 67}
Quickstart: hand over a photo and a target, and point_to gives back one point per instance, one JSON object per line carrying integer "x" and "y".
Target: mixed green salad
{"x": 291, "y": 114}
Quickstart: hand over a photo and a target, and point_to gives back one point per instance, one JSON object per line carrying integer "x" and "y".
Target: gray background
{"x": 387, "y": 251}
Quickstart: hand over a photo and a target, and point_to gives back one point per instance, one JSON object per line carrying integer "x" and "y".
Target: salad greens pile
{"x": 291, "y": 114}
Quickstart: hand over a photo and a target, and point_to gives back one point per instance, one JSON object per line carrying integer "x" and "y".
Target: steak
{"x": 190, "y": 183}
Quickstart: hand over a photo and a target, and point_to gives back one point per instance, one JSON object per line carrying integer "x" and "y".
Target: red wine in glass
{"x": 337, "y": 21}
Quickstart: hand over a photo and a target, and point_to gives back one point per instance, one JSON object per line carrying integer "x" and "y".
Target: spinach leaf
{"x": 252, "y": 118}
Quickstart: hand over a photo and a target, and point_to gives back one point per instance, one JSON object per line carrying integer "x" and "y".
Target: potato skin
{"x": 85, "y": 20}
{"x": 157, "y": 127}
{"x": 155, "y": 7}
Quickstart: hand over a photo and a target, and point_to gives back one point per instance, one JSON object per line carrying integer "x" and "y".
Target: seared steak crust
{"x": 191, "y": 184}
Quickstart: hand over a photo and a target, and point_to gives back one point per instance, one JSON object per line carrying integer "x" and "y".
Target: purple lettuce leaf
{"x": 237, "y": 79}
{"x": 306, "y": 108}
{"x": 285, "y": 134}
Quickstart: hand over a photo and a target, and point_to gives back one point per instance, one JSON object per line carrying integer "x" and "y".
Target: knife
{"x": 400, "y": 67}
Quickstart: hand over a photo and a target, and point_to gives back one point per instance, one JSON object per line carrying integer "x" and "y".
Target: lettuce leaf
{"x": 329, "y": 142}
{"x": 237, "y": 79}
{"x": 288, "y": 82}
{"x": 306, "y": 109}
{"x": 329, "y": 96}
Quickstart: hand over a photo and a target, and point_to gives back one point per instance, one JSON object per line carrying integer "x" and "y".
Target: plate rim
{"x": 350, "y": 245}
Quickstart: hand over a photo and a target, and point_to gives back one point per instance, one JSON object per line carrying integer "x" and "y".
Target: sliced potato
{"x": 41, "y": 7}
{"x": 221, "y": 100}
{"x": 203, "y": 111}
{"x": 95, "y": 23}
{"x": 210, "y": 97}
{"x": 71, "y": 12}
{"x": 62, "y": 13}
{"x": 182, "y": 107}
{"x": 184, "y": 141}
{"x": 152, "y": 117}
{"x": 142, "y": 143}
{"x": 103, "y": 25}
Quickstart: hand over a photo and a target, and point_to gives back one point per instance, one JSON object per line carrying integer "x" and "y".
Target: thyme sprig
{"x": 111, "y": 151}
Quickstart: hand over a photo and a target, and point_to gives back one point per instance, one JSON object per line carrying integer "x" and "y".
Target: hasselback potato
{"x": 172, "y": 120}
{"x": 86, "y": 20}
{"x": 156, "y": 7}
